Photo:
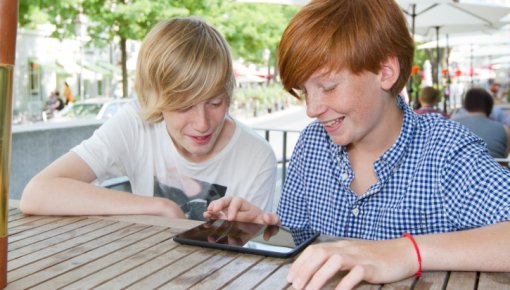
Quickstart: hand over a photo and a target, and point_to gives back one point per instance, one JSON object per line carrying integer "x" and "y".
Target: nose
{"x": 314, "y": 105}
{"x": 200, "y": 119}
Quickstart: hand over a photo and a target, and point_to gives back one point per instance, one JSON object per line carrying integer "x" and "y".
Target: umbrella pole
{"x": 436, "y": 75}
{"x": 471, "y": 69}
{"x": 8, "y": 27}
{"x": 448, "y": 80}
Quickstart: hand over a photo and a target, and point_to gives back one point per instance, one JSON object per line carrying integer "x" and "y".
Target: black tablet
{"x": 274, "y": 241}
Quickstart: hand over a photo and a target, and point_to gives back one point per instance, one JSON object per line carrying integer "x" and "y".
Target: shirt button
{"x": 355, "y": 211}
{"x": 344, "y": 176}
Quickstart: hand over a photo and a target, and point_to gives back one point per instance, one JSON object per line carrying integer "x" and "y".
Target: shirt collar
{"x": 390, "y": 161}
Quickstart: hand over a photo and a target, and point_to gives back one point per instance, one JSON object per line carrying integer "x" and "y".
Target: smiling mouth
{"x": 333, "y": 122}
{"x": 201, "y": 139}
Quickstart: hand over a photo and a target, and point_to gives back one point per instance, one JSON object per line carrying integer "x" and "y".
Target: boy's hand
{"x": 371, "y": 261}
{"x": 238, "y": 209}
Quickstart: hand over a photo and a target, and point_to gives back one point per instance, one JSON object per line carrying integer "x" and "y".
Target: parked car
{"x": 95, "y": 108}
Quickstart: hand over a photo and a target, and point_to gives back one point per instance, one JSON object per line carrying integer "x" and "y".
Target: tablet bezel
{"x": 239, "y": 248}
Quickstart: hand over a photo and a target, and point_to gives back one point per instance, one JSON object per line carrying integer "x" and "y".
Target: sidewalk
{"x": 291, "y": 119}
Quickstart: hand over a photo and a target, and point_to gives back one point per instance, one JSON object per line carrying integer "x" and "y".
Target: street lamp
{"x": 79, "y": 29}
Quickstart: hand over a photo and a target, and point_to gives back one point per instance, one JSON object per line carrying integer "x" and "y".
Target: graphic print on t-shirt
{"x": 192, "y": 195}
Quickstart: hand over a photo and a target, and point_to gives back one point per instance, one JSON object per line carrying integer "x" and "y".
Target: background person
{"x": 177, "y": 145}
{"x": 68, "y": 94}
{"x": 478, "y": 103}
{"x": 497, "y": 113}
{"x": 402, "y": 185}
{"x": 428, "y": 98}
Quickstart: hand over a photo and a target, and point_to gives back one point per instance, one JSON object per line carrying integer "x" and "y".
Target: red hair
{"x": 335, "y": 34}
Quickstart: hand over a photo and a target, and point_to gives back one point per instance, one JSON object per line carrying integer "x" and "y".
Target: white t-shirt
{"x": 128, "y": 146}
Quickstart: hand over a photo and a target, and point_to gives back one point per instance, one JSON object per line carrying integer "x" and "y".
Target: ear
{"x": 389, "y": 73}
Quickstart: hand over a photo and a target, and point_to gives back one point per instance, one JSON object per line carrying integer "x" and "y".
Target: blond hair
{"x": 335, "y": 34}
{"x": 182, "y": 62}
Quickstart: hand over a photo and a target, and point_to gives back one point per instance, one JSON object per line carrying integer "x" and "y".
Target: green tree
{"x": 249, "y": 28}
{"x": 108, "y": 20}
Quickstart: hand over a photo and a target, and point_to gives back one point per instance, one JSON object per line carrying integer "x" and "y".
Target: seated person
{"x": 478, "y": 104}
{"x": 177, "y": 144}
{"x": 497, "y": 113}
{"x": 428, "y": 98}
{"x": 413, "y": 193}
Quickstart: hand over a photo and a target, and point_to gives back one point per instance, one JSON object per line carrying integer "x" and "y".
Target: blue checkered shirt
{"x": 437, "y": 177}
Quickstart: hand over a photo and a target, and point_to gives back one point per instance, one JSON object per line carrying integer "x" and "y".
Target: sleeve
{"x": 292, "y": 208}
{"x": 104, "y": 150}
{"x": 476, "y": 187}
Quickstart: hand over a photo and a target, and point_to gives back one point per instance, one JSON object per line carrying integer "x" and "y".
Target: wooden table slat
{"x": 100, "y": 258}
{"x": 56, "y": 264}
{"x": 404, "y": 284}
{"x": 137, "y": 252}
{"x": 230, "y": 272}
{"x": 173, "y": 270}
{"x": 77, "y": 244}
{"x": 25, "y": 220}
{"x": 462, "y": 280}
{"x": 494, "y": 281}
{"x": 250, "y": 279}
{"x": 201, "y": 271}
{"x": 277, "y": 279}
{"x": 169, "y": 264}
{"x": 105, "y": 268}
{"x": 431, "y": 281}
{"x": 61, "y": 239}
{"x": 24, "y": 232}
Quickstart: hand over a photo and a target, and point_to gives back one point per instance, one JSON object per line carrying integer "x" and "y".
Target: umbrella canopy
{"x": 452, "y": 16}
{"x": 466, "y": 39}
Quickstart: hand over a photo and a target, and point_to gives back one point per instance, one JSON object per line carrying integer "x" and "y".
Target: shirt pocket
{"x": 393, "y": 222}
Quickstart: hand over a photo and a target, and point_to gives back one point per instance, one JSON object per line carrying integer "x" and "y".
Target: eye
{"x": 216, "y": 102}
{"x": 329, "y": 88}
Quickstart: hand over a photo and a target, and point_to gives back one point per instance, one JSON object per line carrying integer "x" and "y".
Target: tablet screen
{"x": 252, "y": 238}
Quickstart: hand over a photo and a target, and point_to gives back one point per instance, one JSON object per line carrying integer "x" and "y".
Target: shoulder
{"x": 443, "y": 134}
{"x": 446, "y": 145}
{"x": 248, "y": 147}
{"x": 250, "y": 137}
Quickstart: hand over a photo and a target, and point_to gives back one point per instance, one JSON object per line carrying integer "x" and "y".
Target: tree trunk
{"x": 124, "y": 67}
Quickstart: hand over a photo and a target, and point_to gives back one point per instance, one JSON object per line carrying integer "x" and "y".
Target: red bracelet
{"x": 407, "y": 235}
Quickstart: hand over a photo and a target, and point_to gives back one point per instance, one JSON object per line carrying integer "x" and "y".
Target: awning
{"x": 97, "y": 69}
{"x": 109, "y": 66}
{"x": 52, "y": 66}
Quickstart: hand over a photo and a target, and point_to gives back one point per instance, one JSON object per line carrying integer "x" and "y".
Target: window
{"x": 34, "y": 80}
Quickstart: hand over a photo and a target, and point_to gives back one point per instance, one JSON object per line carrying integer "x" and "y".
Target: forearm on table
{"x": 65, "y": 196}
{"x": 482, "y": 249}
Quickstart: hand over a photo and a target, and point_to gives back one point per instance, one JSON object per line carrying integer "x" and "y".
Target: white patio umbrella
{"x": 451, "y": 16}
{"x": 471, "y": 42}
{"x": 466, "y": 39}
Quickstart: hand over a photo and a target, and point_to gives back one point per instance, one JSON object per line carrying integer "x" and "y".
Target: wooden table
{"x": 137, "y": 252}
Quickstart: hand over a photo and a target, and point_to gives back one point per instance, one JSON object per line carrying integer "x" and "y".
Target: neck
{"x": 384, "y": 136}
{"x": 477, "y": 114}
